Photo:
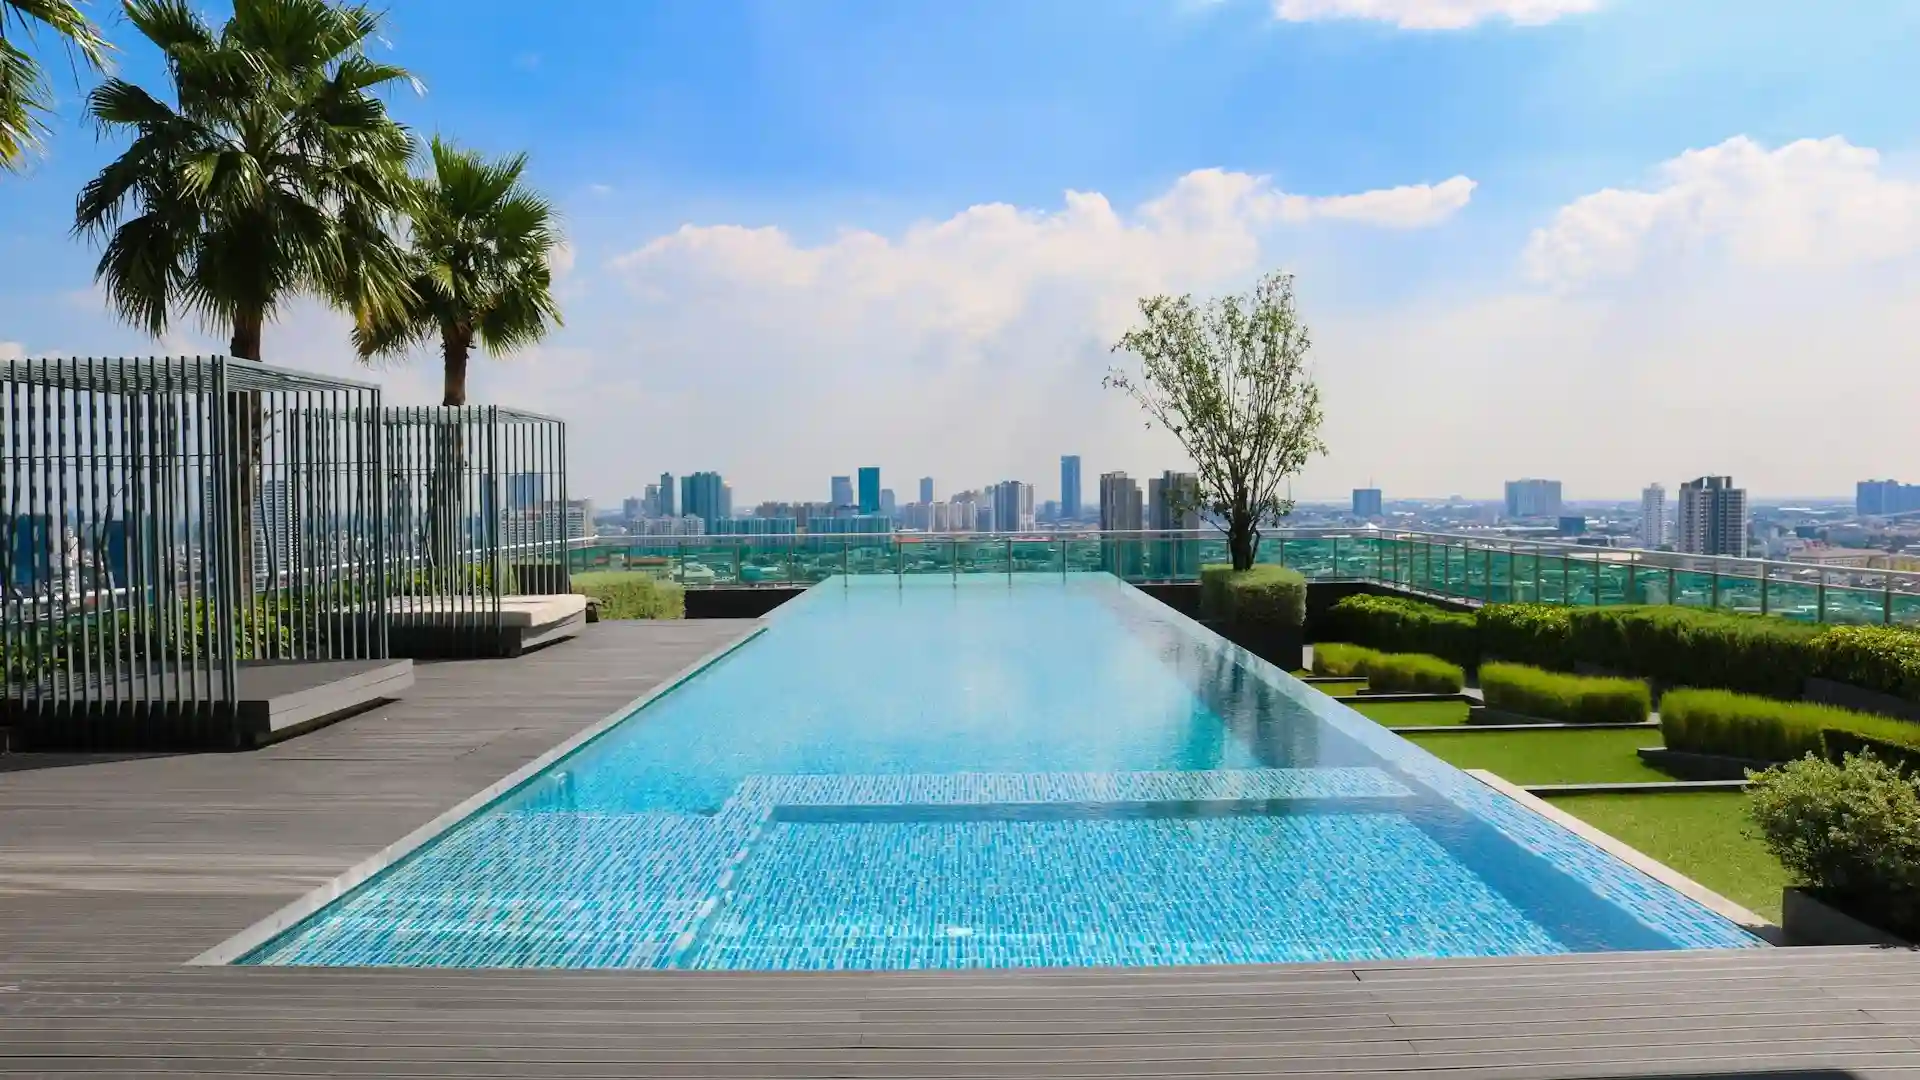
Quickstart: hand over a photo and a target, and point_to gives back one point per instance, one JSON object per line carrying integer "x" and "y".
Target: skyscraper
{"x": 870, "y": 489}
{"x": 525, "y": 491}
{"x": 633, "y": 509}
{"x": 1173, "y": 505}
{"x": 1712, "y": 519}
{"x": 1070, "y": 487}
{"x": 1012, "y": 506}
{"x": 842, "y": 491}
{"x": 665, "y": 509}
{"x": 887, "y": 505}
{"x": 704, "y": 495}
{"x": 926, "y": 489}
{"x": 1527, "y": 498}
{"x": 1653, "y": 516}
{"x": 1120, "y": 511}
{"x": 1366, "y": 502}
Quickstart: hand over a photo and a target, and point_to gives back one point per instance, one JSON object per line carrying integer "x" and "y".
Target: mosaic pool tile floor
{"x": 950, "y": 776}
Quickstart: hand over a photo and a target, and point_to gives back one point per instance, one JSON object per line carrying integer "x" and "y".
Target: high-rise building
{"x": 963, "y": 512}
{"x": 1712, "y": 519}
{"x": 926, "y": 489}
{"x": 1070, "y": 487}
{"x": 1121, "y": 512}
{"x": 526, "y": 491}
{"x": 851, "y": 523}
{"x": 1877, "y": 498}
{"x": 633, "y": 509}
{"x": 704, "y": 495}
{"x": 754, "y": 526}
{"x": 1121, "y": 509}
{"x": 1653, "y": 516}
{"x": 579, "y": 518}
{"x": 1012, "y": 506}
{"x": 870, "y": 489}
{"x": 665, "y": 508}
{"x": 686, "y": 525}
{"x": 887, "y": 504}
{"x": 1529, "y": 498}
{"x": 1173, "y": 506}
{"x": 1366, "y": 503}
{"x": 842, "y": 491}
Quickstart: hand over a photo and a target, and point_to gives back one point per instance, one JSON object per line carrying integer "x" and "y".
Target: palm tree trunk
{"x": 245, "y": 422}
{"x": 456, "y": 343}
{"x": 444, "y": 509}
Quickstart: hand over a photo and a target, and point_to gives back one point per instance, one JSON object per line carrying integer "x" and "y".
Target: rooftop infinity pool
{"x": 914, "y": 772}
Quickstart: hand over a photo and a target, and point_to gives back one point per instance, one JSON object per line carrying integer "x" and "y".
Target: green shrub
{"x": 1411, "y": 673}
{"x": 1213, "y": 590}
{"x": 1676, "y": 646}
{"x": 1537, "y": 634}
{"x": 1850, "y": 831}
{"x": 1572, "y": 699}
{"x": 1414, "y": 673}
{"x": 1342, "y": 661}
{"x": 1741, "y": 725}
{"x": 1885, "y": 659}
{"x": 1894, "y": 743}
{"x": 1266, "y": 597}
{"x": 1396, "y": 624}
{"x": 633, "y": 595}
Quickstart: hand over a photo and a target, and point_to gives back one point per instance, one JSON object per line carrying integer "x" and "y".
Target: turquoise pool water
{"x": 914, "y": 772}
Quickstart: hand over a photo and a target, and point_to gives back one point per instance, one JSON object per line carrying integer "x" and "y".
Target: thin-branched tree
{"x": 1229, "y": 380}
{"x": 26, "y": 94}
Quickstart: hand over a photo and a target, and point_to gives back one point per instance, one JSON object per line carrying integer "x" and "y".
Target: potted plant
{"x": 1849, "y": 835}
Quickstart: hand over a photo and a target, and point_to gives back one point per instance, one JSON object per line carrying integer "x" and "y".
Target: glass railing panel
{"x": 1855, "y": 605}
{"x": 1691, "y": 588}
{"x": 1312, "y": 556}
{"x": 1356, "y": 558}
{"x": 1793, "y": 594}
{"x": 980, "y": 556}
{"x": 1906, "y": 609}
{"x": 1740, "y": 592}
{"x": 1037, "y": 557}
{"x": 924, "y": 555}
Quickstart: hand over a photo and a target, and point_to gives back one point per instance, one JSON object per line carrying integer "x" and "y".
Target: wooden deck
{"x": 113, "y": 873}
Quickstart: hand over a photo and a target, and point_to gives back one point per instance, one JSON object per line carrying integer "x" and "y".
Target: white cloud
{"x": 973, "y": 343}
{"x": 12, "y": 350}
{"x": 1813, "y": 203}
{"x": 1433, "y": 14}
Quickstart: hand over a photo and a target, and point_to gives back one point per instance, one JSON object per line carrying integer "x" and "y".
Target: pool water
{"x": 910, "y": 772}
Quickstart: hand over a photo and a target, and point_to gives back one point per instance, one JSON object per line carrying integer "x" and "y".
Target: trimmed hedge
{"x": 1571, "y": 699}
{"x": 1676, "y": 646}
{"x": 1265, "y": 598}
{"x": 1411, "y": 673}
{"x": 1213, "y": 590}
{"x": 1741, "y": 725}
{"x": 632, "y": 595}
{"x": 1885, "y": 659}
{"x": 1394, "y": 624}
{"x": 1536, "y": 634}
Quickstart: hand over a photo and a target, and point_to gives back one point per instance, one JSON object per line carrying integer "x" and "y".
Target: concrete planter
{"x": 1808, "y": 920}
{"x": 1691, "y": 766}
{"x": 1847, "y": 696}
{"x": 1280, "y": 645}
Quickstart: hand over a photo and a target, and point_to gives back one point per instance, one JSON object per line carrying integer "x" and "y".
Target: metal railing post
{"x": 1764, "y": 576}
{"x": 1820, "y": 598}
{"x": 1886, "y": 598}
{"x": 1715, "y": 597}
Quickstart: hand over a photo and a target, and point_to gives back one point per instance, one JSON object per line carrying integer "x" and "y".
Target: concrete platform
{"x": 459, "y": 627}
{"x": 272, "y": 700}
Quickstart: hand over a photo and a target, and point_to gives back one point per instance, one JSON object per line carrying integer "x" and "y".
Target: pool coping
{"x": 1757, "y": 925}
{"x": 291, "y": 915}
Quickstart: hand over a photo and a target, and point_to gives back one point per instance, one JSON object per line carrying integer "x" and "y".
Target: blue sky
{"x": 713, "y": 158}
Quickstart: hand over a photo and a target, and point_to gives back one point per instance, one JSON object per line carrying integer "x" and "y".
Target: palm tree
{"x": 25, "y": 97}
{"x": 274, "y": 171}
{"x": 482, "y": 247}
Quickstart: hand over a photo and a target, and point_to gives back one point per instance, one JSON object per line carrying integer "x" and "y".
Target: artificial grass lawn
{"x": 1549, "y": 757}
{"x": 1416, "y": 713}
{"x": 1699, "y": 833}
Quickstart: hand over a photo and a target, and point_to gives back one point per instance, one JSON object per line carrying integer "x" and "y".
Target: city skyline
{"x": 902, "y": 220}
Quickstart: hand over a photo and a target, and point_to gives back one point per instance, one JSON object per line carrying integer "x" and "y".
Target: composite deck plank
{"x": 115, "y": 872}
